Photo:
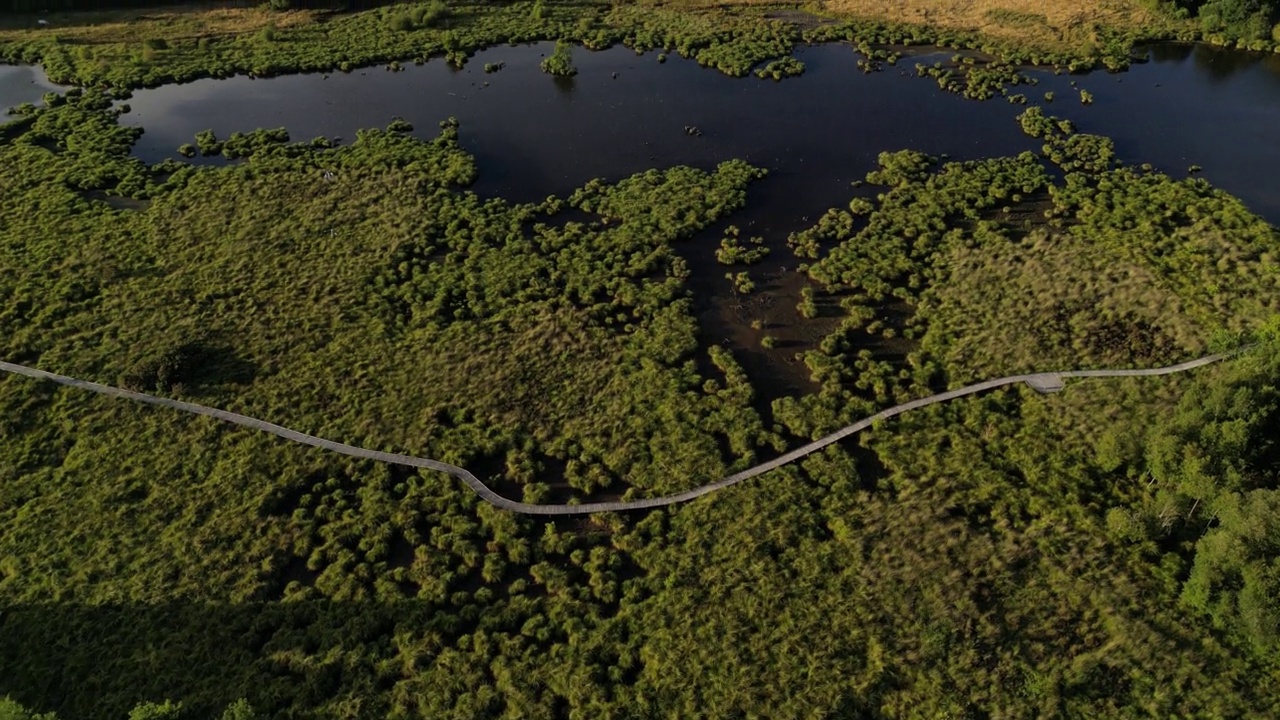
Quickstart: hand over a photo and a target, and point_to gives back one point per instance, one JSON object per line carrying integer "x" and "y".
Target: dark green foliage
{"x": 1235, "y": 578}
{"x": 733, "y": 252}
{"x": 560, "y": 61}
{"x": 1214, "y": 495}
{"x": 783, "y": 68}
{"x": 1246, "y": 19}
{"x": 167, "y": 371}
{"x": 238, "y": 145}
{"x": 976, "y": 81}
{"x": 955, "y": 275}
{"x": 11, "y": 710}
{"x": 419, "y": 16}
{"x": 167, "y": 710}
{"x": 1064, "y": 147}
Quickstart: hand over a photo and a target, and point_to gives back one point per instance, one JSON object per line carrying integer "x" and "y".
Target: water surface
{"x": 534, "y": 135}
{"x": 23, "y": 83}
{"x": 1195, "y": 105}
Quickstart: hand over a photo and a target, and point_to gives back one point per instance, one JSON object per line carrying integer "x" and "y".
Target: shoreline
{"x": 131, "y": 49}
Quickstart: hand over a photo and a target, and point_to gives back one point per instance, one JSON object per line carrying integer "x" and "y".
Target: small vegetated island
{"x": 1106, "y": 551}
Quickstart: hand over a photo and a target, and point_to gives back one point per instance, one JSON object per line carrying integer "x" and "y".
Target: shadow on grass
{"x": 100, "y": 661}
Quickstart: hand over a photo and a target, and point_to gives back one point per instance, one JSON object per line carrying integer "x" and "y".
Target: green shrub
{"x": 401, "y": 22}
{"x": 1238, "y": 19}
{"x": 11, "y": 710}
{"x": 807, "y": 307}
{"x": 742, "y": 282}
{"x": 781, "y": 68}
{"x": 560, "y": 62}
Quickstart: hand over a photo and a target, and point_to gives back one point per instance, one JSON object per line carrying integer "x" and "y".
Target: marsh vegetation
{"x": 1010, "y": 554}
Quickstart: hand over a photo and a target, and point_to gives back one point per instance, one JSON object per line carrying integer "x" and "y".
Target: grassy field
{"x": 181, "y": 21}
{"x": 1067, "y": 24}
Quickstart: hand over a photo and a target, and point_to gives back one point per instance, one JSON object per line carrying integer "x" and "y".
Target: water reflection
{"x": 1220, "y": 63}
{"x": 22, "y": 84}
{"x": 1170, "y": 52}
{"x": 1195, "y": 105}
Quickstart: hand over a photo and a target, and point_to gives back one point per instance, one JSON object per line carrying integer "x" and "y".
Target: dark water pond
{"x": 534, "y": 135}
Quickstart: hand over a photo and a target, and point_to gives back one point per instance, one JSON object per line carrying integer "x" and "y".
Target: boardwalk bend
{"x": 1043, "y": 382}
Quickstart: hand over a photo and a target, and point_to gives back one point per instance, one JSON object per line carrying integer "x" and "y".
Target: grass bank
{"x": 130, "y": 48}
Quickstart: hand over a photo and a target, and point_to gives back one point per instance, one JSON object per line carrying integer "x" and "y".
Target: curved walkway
{"x": 1043, "y": 382}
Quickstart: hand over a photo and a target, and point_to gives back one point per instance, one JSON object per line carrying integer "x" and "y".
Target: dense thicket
{"x": 1250, "y": 20}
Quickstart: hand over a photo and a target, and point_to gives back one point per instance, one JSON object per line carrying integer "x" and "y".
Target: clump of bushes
{"x": 560, "y": 62}
{"x": 742, "y": 282}
{"x": 1064, "y": 147}
{"x": 976, "y": 82}
{"x": 807, "y": 308}
{"x": 733, "y": 252}
{"x": 172, "y": 369}
{"x": 781, "y": 68}
{"x": 239, "y": 145}
{"x": 428, "y": 15}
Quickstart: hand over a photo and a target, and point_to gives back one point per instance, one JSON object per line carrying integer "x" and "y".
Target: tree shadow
{"x": 99, "y": 661}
